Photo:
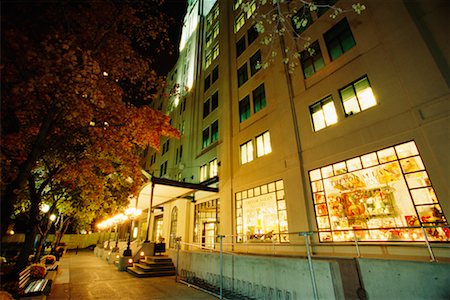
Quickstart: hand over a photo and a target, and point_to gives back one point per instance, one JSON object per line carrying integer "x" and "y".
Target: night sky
{"x": 175, "y": 9}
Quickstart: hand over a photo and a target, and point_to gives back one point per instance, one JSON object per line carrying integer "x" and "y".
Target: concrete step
{"x": 156, "y": 264}
{"x": 141, "y": 273}
{"x": 153, "y": 268}
{"x": 156, "y": 259}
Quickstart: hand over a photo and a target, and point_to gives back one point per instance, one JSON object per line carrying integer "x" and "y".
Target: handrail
{"x": 422, "y": 241}
{"x": 307, "y": 244}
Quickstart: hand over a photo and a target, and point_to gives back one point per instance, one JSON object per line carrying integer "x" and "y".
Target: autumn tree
{"x": 76, "y": 78}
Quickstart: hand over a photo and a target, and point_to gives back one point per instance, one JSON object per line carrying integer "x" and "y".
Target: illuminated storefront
{"x": 261, "y": 214}
{"x": 375, "y": 196}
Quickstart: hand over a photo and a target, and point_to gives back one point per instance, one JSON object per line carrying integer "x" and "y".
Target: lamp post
{"x": 117, "y": 220}
{"x": 131, "y": 213}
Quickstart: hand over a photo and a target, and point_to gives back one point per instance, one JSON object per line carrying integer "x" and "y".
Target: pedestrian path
{"x": 83, "y": 276}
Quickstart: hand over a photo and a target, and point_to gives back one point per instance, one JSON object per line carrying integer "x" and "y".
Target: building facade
{"x": 350, "y": 144}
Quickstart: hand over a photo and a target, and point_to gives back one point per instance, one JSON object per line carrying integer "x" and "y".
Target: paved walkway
{"x": 84, "y": 276}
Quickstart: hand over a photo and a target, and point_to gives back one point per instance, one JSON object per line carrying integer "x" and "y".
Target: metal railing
{"x": 418, "y": 240}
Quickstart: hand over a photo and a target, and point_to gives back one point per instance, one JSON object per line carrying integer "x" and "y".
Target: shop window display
{"x": 381, "y": 196}
{"x": 261, "y": 214}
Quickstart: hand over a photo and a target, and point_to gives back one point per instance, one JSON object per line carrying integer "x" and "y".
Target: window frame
{"x": 240, "y": 46}
{"x": 259, "y": 98}
{"x": 334, "y": 37}
{"x": 206, "y": 108}
{"x": 358, "y": 101}
{"x": 265, "y": 137}
{"x": 214, "y": 132}
{"x": 312, "y": 59}
{"x": 214, "y": 100}
{"x": 242, "y": 74}
{"x": 247, "y": 149}
{"x": 322, "y": 102}
{"x": 255, "y": 59}
{"x": 244, "y": 104}
{"x": 215, "y": 74}
{"x": 205, "y": 138}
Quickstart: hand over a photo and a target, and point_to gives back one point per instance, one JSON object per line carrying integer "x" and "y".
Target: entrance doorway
{"x": 209, "y": 234}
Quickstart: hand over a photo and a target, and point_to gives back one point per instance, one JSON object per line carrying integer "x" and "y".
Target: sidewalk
{"x": 84, "y": 276}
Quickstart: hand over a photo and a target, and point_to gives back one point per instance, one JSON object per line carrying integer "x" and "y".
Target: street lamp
{"x": 131, "y": 213}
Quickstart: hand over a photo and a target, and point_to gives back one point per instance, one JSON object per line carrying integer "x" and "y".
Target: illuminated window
{"x": 339, "y": 39}
{"x": 255, "y": 60}
{"x": 205, "y": 138}
{"x": 242, "y": 75}
{"x": 259, "y": 98}
{"x": 216, "y": 31}
{"x": 323, "y": 113}
{"x": 237, "y": 3}
{"x": 215, "y": 51}
{"x": 263, "y": 146}
{"x": 261, "y": 214}
{"x": 203, "y": 173}
{"x": 209, "y": 21}
{"x": 357, "y": 97}
{"x": 240, "y": 21}
{"x": 216, "y": 12}
{"x": 240, "y": 46}
{"x": 312, "y": 60}
{"x": 386, "y": 194}
{"x": 244, "y": 109}
{"x": 214, "y": 131}
{"x": 213, "y": 168}
{"x": 247, "y": 152}
{"x": 208, "y": 39}
{"x": 251, "y": 8}
{"x": 208, "y": 59}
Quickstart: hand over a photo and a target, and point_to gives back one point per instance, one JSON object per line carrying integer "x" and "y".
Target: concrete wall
{"x": 253, "y": 275}
{"x": 384, "y": 279}
{"x": 72, "y": 240}
{"x": 381, "y": 279}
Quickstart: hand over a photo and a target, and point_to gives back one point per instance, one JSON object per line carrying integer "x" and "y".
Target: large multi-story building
{"x": 352, "y": 144}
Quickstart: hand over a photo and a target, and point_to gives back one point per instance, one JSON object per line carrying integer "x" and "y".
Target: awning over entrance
{"x": 165, "y": 190}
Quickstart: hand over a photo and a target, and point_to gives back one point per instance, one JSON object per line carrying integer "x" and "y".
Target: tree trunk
{"x": 60, "y": 233}
{"x": 30, "y": 234}
{"x": 9, "y": 197}
{"x": 41, "y": 244}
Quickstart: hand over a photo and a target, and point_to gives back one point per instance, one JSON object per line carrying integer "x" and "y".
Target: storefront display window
{"x": 261, "y": 214}
{"x": 206, "y": 223}
{"x": 385, "y": 195}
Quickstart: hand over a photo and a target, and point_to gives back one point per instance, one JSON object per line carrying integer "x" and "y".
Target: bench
{"x": 29, "y": 286}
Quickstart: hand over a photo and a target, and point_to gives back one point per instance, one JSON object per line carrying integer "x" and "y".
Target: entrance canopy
{"x": 166, "y": 190}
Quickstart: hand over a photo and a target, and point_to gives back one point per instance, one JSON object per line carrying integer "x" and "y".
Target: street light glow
{"x": 45, "y": 207}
